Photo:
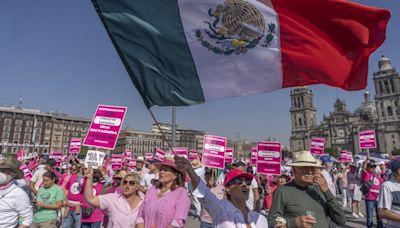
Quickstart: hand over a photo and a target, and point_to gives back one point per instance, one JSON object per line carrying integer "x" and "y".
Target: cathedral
{"x": 340, "y": 129}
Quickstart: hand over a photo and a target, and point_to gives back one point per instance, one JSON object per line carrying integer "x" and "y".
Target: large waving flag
{"x": 184, "y": 52}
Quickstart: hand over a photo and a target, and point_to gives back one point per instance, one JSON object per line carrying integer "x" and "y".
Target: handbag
{"x": 87, "y": 212}
{"x": 366, "y": 186}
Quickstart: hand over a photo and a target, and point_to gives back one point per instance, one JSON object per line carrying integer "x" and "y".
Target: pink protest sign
{"x": 345, "y": 156}
{"x": 75, "y": 146}
{"x": 20, "y": 155}
{"x": 253, "y": 156}
{"x": 317, "y": 145}
{"x": 128, "y": 154}
{"x": 160, "y": 154}
{"x": 148, "y": 156}
{"x": 58, "y": 156}
{"x": 116, "y": 161}
{"x": 104, "y": 129}
{"x": 193, "y": 154}
{"x": 269, "y": 158}
{"x": 27, "y": 172}
{"x": 229, "y": 155}
{"x": 367, "y": 139}
{"x": 180, "y": 151}
{"x": 214, "y": 151}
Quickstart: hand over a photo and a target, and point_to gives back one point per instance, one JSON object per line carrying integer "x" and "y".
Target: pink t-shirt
{"x": 120, "y": 213}
{"x": 75, "y": 191}
{"x": 162, "y": 212}
{"x": 374, "y": 190}
{"x": 97, "y": 214}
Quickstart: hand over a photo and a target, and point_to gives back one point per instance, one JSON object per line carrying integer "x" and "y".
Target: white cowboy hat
{"x": 305, "y": 158}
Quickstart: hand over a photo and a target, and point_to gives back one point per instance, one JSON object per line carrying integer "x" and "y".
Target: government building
{"x": 340, "y": 128}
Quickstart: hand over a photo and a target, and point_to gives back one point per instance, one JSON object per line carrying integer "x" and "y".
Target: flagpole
{"x": 173, "y": 136}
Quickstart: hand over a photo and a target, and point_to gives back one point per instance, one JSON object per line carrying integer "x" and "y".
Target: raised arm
{"x": 89, "y": 197}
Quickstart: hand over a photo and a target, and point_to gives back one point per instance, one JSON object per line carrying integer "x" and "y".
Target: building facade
{"x": 38, "y": 132}
{"x": 140, "y": 142}
{"x": 340, "y": 128}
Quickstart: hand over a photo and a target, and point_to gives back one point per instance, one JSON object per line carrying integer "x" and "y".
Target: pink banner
{"x": 20, "y": 155}
{"x": 104, "y": 129}
{"x": 27, "y": 172}
{"x": 367, "y": 139}
{"x": 75, "y": 146}
{"x": 214, "y": 151}
{"x": 229, "y": 155}
{"x": 58, "y": 156}
{"x": 148, "y": 156}
{"x": 253, "y": 156}
{"x": 116, "y": 161}
{"x": 269, "y": 158}
{"x": 317, "y": 145}
{"x": 193, "y": 154}
{"x": 160, "y": 154}
{"x": 181, "y": 152}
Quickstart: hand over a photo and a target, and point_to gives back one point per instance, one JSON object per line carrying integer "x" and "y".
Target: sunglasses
{"x": 239, "y": 181}
{"x": 130, "y": 183}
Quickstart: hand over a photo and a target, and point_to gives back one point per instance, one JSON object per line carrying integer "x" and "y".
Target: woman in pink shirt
{"x": 93, "y": 216}
{"x": 166, "y": 204}
{"x": 123, "y": 207}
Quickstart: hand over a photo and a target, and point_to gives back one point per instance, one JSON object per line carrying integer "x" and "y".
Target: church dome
{"x": 385, "y": 64}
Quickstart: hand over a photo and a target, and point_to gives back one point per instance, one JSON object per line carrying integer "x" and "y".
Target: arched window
{"x": 390, "y": 111}
{"x": 300, "y": 122}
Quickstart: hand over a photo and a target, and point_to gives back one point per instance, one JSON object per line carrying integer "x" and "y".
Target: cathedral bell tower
{"x": 303, "y": 117}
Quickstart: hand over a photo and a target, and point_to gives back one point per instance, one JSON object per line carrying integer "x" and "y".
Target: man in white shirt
{"x": 37, "y": 177}
{"x": 389, "y": 197}
{"x": 149, "y": 178}
{"x": 200, "y": 170}
{"x": 14, "y": 202}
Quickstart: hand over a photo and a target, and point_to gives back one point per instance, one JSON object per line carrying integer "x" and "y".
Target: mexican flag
{"x": 185, "y": 52}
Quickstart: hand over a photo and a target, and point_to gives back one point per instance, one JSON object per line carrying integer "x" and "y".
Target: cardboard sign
{"x": 160, "y": 155}
{"x": 214, "y": 148}
{"x": 116, "y": 161}
{"x": 317, "y": 145}
{"x": 193, "y": 154}
{"x": 75, "y": 146}
{"x": 56, "y": 155}
{"x": 253, "y": 158}
{"x": 180, "y": 151}
{"x": 269, "y": 158}
{"x": 367, "y": 139}
{"x": 229, "y": 155}
{"x": 104, "y": 129}
{"x": 94, "y": 158}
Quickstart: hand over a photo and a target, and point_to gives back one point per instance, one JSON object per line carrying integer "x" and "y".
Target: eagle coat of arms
{"x": 235, "y": 27}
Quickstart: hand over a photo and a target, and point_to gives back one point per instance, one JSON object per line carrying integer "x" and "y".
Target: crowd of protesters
{"x": 161, "y": 193}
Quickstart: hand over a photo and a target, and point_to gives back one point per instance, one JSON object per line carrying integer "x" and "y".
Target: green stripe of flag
{"x": 150, "y": 40}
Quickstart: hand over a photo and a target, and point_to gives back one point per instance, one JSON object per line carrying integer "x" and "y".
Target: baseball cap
{"x": 236, "y": 173}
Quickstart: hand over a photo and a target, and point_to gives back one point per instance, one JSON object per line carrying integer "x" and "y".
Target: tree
{"x": 396, "y": 152}
{"x": 334, "y": 152}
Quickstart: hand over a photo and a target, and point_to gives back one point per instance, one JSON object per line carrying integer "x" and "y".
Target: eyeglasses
{"x": 239, "y": 181}
{"x": 130, "y": 183}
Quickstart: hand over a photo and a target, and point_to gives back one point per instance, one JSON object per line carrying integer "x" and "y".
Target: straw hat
{"x": 13, "y": 164}
{"x": 170, "y": 163}
{"x": 305, "y": 158}
{"x": 196, "y": 164}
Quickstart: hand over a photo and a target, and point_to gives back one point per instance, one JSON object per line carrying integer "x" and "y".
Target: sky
{"x": 57, "y": 55}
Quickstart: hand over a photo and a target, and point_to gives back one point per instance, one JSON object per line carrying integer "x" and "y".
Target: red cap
{"x": 235, "y": 173}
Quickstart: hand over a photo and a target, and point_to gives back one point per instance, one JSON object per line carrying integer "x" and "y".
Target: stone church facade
{"x": 340, "y": 128}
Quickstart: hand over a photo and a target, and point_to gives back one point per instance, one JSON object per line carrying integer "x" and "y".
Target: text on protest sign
{"x": 180, "y": 151}
{"x": 317, "y": 145}
{"x": 94, "y": 158}
{"x": 253, "y": 158}
{"x": 75, "y": 146}
{"x": 160, "y": 155}
{"x": 193, "y": 154}
{"x": 116, "y": 161}
{"x": 269, "y": 158}
{"x": 214, "y": 151}
{"x": 104, "y": 129}
{"x": 367, "y": 139}
{"x": 229, "y": 155}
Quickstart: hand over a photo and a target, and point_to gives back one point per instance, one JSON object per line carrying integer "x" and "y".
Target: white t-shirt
{"x": 38, "y": 176}
{"x": 250, "y": 201}
{"x": 146, "y": 180}
{"x": 389, "y": 198}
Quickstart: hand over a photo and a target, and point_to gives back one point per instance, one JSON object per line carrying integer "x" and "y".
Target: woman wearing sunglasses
{"x": 229, "y": 212}
{"x": 166, "y": 203}
{"x": 123, "y": 207}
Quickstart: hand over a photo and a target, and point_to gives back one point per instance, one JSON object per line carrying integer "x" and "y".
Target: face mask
{"x": 4, "y": 178}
